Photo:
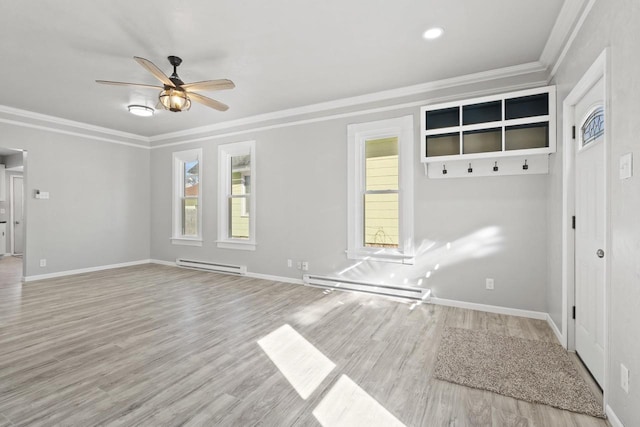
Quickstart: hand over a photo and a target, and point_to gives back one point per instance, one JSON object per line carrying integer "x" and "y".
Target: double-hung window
{"x": 236, "y": 196}
{"x": 380, "y": 209}
{"x": 187, "y": 198}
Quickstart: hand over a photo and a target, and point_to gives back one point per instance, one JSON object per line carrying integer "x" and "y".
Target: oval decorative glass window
{"x": 593, "y": 126}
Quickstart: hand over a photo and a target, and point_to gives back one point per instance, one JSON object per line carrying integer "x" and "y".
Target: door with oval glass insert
{"x": 590, "y": 203}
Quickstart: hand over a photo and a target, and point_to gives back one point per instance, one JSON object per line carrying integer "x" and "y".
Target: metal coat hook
{"x": 444, "y": 169}
{"x": 525, "y": 166}
{"x": 495, "y": 167}
{"x": 470, "y": 170}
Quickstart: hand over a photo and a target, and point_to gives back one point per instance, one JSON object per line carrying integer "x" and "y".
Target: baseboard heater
{"x": 239, "y": 270}
{"x": 398, "y": 291}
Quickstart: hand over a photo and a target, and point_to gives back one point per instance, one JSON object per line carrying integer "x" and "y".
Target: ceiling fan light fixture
{"x": 175, "y": 100}
{"x": 141, "y": 110}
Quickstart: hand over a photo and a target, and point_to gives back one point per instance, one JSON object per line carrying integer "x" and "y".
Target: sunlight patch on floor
{"x": 348, "y": 405}
{"x": 303, "y": 365}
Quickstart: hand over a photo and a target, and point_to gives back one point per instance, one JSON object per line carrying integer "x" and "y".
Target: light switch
{"x": 626, "y": 166}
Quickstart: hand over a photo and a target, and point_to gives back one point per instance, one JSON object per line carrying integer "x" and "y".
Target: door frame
{"x": 599, "y": 69}
{"x": 12, "y": 179}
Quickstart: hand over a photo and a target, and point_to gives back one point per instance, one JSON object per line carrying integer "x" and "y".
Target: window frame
{"x": 357, "y": 135}
{"x": 180, "y": 158}
{"x": 225, "y": 152}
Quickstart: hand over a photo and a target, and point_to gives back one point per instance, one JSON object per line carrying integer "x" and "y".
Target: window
{"x": 380, "y": 222}
{"x": 187, "y": 199}
{"x": 236, "y": 196}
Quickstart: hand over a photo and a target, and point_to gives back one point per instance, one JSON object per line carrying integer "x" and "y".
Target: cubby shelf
{"x": 516, "y": 124}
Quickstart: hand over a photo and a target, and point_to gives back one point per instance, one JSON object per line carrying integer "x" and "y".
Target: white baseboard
{"x": 613, "y": 418}
{"x": 161, "y": 262}
{"x": 275, "y": 278}
{"x": 248, "y": 274}
{"x": 490, "y": 308}
{"x": 84, "y": 270}
{"x": 556, "y": 331}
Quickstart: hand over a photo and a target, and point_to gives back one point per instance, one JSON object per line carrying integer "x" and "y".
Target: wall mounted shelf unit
{"x": 497, "y": 133}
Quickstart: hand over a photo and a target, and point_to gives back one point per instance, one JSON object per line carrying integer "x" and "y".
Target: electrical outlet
{"x": 299, "y": 265}
{"x": 489, "y": 284}
{"x": 305, "y": 265}
{"x": 43, "y": 262}
{"x": 289, "y": 263}
{"x": 624, "y": 378}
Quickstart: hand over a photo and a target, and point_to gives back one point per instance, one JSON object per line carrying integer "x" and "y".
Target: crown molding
{"x": 57, "y": 124}
{"x": 565, "y": 22}
{"x": 499, "y": 73}
{"x": 560, "y": 39}
{"x": 72, "y": 133}
{"x": 583, "y": 16}
{"x": 393, "y": 107}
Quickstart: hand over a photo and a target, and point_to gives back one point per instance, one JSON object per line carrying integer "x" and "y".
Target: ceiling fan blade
{"x": 108, "y": 82}
{"x": 151, "y": 67}
{"x": 216, "y": 105}
{"x": 220, "y": 84}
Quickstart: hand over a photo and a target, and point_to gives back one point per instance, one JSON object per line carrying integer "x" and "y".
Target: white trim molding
{"x": 540, "y": 315}
{"x": 556, "y": 331}
{"x": 179, "y": 162}
{"x": 24, "y": 118}
{"x": 613, "y": 418}
{"x": 565, "y": 22}
{"x": 495, "y": 74}
{"x": 225, "y": 154}
{"x": 84, "y": 270}
{"x": 357, "y": 136}
{"x": 598, "y": 70}
{"x": 572, "y": 36}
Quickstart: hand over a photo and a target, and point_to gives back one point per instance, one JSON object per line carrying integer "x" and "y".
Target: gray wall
{"x": 493, "y": 223}
{"x": 99, "y": 207}
{"x": 614, "y": 24}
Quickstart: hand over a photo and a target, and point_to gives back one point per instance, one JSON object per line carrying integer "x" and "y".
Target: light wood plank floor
{"x": 155, "y": 345}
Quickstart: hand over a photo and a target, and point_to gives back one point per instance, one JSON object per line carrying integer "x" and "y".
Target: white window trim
{"x": 225, "y": 152}
{"x": 179, "y": 159}
{"x": 357, "y": 134}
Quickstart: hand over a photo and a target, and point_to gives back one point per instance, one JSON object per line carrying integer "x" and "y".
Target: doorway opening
{"x": 12, "y": 216}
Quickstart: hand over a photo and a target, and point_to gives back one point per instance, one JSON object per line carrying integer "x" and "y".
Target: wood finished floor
{"x": 161, "y": 346}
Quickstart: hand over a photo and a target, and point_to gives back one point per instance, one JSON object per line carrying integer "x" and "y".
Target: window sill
{"x": 184, "y": 241}
{"x": 380, "y": 255}
{"x": 236, "y": 244}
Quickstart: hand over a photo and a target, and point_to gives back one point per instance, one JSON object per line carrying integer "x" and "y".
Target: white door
{"x": 17, "y": 205}
{"x": 590, "y": 253}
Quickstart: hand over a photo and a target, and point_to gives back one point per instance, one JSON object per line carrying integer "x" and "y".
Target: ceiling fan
{"x": 175, "y": 95}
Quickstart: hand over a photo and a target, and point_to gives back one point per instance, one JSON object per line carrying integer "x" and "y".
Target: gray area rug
{"x": 534, "y": 371}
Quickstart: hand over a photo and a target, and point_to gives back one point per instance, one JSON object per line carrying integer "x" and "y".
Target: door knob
{"x": 600, "y": 253}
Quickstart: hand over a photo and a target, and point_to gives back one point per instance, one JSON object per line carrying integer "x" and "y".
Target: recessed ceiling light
{"x": 433, "y": 33}
{"x": 141, "y": 110}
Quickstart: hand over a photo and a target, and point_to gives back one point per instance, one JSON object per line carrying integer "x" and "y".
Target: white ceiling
{"x": 280, "y": 53}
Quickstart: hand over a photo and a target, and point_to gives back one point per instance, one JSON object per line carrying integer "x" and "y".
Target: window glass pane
{"x": 238, "y": 217}
{"x": 190, "y": 216}
{"x": 381, "y": 224}
{"x": 191, "y": 179}
{"x": 381, "y": 168}
{"x": 240, "y": 171}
